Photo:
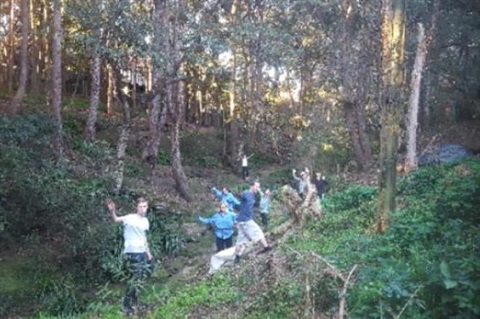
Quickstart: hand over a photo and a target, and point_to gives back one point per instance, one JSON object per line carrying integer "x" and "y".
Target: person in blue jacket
{"x": 248, "y": 230}
{"x": 227, "y": 197}
{"x": 224, "y": 222}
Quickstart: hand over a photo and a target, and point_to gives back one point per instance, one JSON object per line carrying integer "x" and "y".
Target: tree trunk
{"x": 158, "y": 113}
{"x": 362, "y": 134}
{"x": 25, "y": 17}
{"x": 178, "y": 105}
{"x": 354, "y": 132}
{"x": 11, "y": 49}
{"x": 232, "y": 154}
{"x": 56, "y": 98}
{"x": 351, "y": 86}
{"x": 415, "y": 86}
{"x": 96, "y": 73}
{"x": 34, "y": 51}
{"x": 393, "y": 43}
{"x": 124, "y": 131}
{"x": 110, "y": 90}
{"x": 415, "y": 83}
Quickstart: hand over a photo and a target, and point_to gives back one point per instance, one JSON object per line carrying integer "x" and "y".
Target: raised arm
{"x": 217, "y": 192}
{"x": 205, "y": 221}
{"x": 112, "y": 210}
{"x": 295, "y": 177}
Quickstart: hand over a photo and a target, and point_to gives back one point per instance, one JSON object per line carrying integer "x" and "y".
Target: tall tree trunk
{"x": 415, "y": 83}
{"x": 124, "y": 130}
{"x": 231, "y": 146}
{"x": 157, "y": 114}
{"x": 232, "y": 154}
{"x": 352, "y": 111}
{"x": 175, "y": 93}
{"x": 34, "y": 50}
{"x": 393, "y": 43}
{"x": 96, "y": 72}
{"x": 56, "y": 98}
{"x": 178, "y": 106}
{"x": 415, "y": 86}
{"x": 45, "y": 61}
{"x": 110, "y": 89}
{"x": 11, "y": 49}
{"x": 25, "y": 17}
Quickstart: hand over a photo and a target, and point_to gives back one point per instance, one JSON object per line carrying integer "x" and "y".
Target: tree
{"x": 25, "y": 18}
{"x": 158, "y": 109}
{"x": 56, "y": 97}
{"x": 415, "y": 85}
{"x": 392, "y": 104}
{"x": 353, "y": 91}
{"x": 175, "y": 93}
{"x": 94, "y": 95}
{"x": 125, "y": 129}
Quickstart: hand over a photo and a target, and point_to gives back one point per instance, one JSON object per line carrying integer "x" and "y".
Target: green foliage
{"x": 354, "y": 197}
{"x": 280, "y": 301}
{"x": 61, "y": 209}
{"x": 211, "y": 293}
{"x": 60, "y": 297}
{"x": 164, "y": 157}
{"x": 425, "y": 265}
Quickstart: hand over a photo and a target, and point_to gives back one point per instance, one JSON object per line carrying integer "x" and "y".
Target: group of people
{"x": 227, "y": 219}
{"x": 303, "y": 181}
{"x": 232, "y": 214}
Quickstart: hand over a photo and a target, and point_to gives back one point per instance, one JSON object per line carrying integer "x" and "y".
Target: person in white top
{"x": 245, "y": 172}
{"x": 135, "y": 247}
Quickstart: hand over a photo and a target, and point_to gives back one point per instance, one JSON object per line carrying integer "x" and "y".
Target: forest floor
{"x": 158, "y": 185}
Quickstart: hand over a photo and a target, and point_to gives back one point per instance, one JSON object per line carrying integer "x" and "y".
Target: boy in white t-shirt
{"x": 135, "y": 247}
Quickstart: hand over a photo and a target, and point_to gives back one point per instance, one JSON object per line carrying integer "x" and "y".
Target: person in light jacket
{"x": 223, "y": 221}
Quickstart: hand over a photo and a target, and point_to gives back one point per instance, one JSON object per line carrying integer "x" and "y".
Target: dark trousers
{"x": 223, "y": 243}
{"x": 245, "y": 172}
{"x": 137, "y": 266}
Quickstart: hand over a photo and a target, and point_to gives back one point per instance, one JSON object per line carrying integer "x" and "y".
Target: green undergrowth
{"x": 58, "y": 242}
{"x": 426, "y": 265}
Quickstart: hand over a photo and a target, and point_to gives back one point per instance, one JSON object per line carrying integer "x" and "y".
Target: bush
{"x": 426, "y": 265}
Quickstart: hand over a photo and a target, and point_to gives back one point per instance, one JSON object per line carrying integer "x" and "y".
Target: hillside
{"x": 301, "y": 278}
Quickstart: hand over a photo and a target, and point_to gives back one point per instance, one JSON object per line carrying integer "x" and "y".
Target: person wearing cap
{"x": 223, "y": 221}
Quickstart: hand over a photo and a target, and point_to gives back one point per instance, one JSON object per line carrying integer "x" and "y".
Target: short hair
{"x": 141, "y": 200}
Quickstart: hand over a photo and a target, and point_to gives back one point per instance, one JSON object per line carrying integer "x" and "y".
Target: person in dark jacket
{"x": 321, "y": 184}
{"x": 248, "y": 230}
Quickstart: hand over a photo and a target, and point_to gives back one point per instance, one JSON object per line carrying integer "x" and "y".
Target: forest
{"x": 106, "y": 101}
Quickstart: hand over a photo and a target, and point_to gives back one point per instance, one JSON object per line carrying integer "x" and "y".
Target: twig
{"x": 408, "y": 302}
{"x": 343, "y": 292}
